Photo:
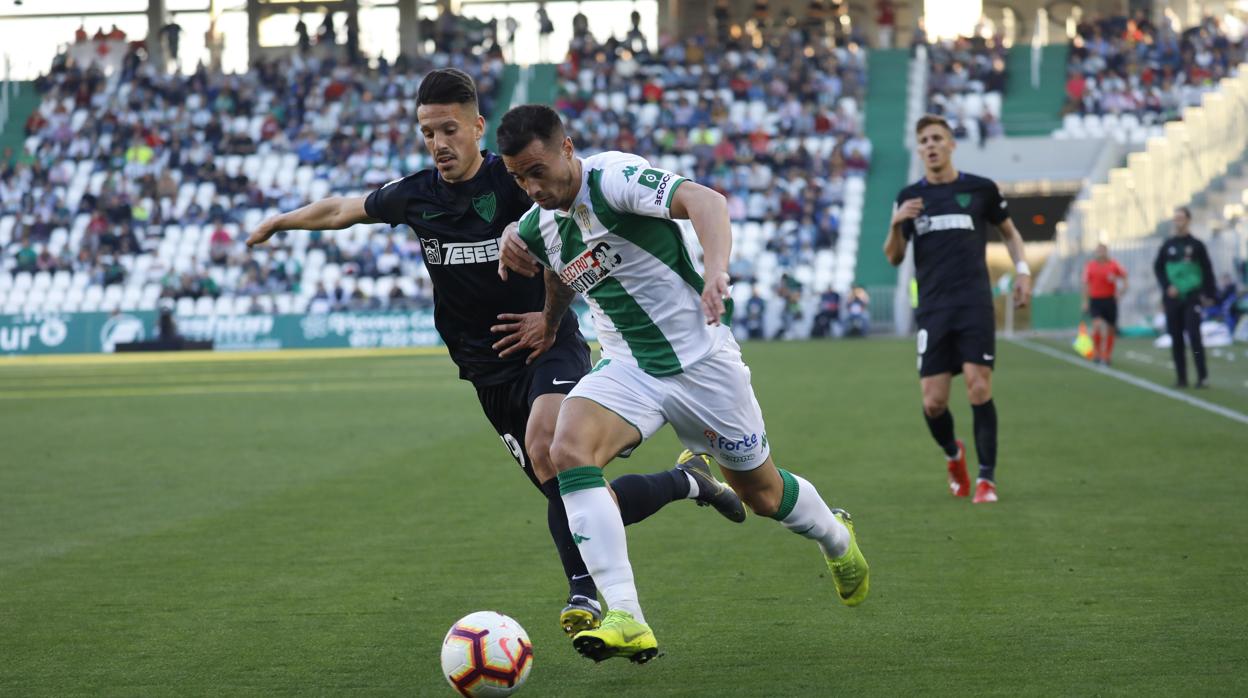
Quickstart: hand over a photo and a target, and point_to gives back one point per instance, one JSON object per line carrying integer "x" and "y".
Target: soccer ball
{"x": 486, "y": 654}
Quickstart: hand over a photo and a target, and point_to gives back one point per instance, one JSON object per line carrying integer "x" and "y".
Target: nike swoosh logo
{"x": 629, "y": 637}
{"x": 430, "y": 215}
{"x": 987, "y": 357}
{"x": 559, "y": 382}
{"x": 579, "y": 576}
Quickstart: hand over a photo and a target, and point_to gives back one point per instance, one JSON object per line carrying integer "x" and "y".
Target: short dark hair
{"x": 526, "y": 123}
{"x": 931, "y": 120}
{"x": 447, "y": 86}
{"x": 1186, "y": 212}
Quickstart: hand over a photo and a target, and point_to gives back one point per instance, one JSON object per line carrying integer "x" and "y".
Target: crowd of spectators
{"x": 771, "y": 117}
{"x": 768, "y": 115}
{"x": 966, "y": 82}
{"x": 1122, "y": 65}
{"x": 145, "y": 137}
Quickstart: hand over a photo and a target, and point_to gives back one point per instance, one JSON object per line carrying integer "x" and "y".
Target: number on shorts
{"x": 922, "y": 341}
{"x": 515, "y": 448}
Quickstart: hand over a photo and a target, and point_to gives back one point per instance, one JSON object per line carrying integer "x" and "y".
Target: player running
{"x": 458, "y": 211}
{"x": 602, "y": 227}
{"x": 1104, "y": 282}
{"x": 946, "y": 215}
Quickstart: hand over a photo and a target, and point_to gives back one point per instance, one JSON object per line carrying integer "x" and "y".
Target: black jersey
{"x": 459, "y": 226}
{"x": 950, "y": 239}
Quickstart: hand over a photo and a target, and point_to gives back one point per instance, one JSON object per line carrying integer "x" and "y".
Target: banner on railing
{"x": 93, "y": 333}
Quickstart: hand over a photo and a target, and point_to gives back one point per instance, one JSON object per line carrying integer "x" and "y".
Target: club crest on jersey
{"x": 963, "y": 199}
{"x": 485, "y": 206}
{"x": 433, "y": 250}
{"x": 589, "y": 268}
{"x": 581, "y": 214}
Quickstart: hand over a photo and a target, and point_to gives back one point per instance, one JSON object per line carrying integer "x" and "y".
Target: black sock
{"x": 941, "y": 427}
{"x": 642, "y": 495}
{"x": 986, "y": 438}
{"x": 579, "y": 581}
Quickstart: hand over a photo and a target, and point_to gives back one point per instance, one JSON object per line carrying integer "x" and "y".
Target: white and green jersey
{"x": 618, "y": 246}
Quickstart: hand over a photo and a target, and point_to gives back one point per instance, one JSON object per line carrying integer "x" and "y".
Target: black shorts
{"x": 950, "y": 337}
{"x": 507, "y": 405}
{"x": 1104, "y": 308}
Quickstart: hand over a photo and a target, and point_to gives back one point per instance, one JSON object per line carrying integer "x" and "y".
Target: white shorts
{"x": 711, "y": 405}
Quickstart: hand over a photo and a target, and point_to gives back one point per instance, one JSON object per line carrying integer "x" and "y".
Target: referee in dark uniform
{"x": 946, "y": 215}
{"x": 494, "y": 329}
{"x": 1185, "y": 274}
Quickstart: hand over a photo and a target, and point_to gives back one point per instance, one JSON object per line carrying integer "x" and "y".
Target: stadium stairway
{"x": 887, "y": 72}
{"x": 22, "y": 103}
{"x": 543, "y": 84}
{"x": 1029, "y": 111}
{"x": 506, "y": 93}
{"x": 535, "y": 84}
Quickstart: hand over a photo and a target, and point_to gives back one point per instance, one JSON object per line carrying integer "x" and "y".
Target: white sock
{"x": 693, "y": 487}
{"x": 595, "y": 522}
{"x": 811, "y": 518}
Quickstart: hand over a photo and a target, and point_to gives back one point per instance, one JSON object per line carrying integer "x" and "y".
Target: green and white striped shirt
{"x": 618, "y": 246}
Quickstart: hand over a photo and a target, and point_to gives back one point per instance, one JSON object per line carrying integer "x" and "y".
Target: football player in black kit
{"x": 494, "y": 329}
{"x": 947, "y": 214}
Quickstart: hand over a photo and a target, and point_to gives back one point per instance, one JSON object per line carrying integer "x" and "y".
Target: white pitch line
{"x": 1137, "y": 382}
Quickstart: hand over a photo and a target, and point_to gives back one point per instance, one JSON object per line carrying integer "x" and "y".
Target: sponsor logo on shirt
{"x": 949, "y": 221}
{"x": 433, "y": 250}
{"x": 734, "y": 450}
{"x": 656, "y": 180}
{"x": 450, "y": 253}
{"x": 589, "y": 268}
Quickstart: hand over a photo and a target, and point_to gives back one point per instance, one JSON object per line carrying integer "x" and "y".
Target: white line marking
{"x": 1137, "y": 382}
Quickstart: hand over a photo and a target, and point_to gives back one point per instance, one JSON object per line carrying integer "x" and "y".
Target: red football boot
{"x": 959, "y": 482}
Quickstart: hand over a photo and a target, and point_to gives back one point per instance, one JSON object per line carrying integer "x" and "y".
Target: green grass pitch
{"x": 313, "y": 527}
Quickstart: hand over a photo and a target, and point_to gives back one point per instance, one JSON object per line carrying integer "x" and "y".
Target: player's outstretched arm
{"x": 334, "y": 213}
{"x": 1018, "y": 254}
{"x": 895, "y": 243}
{"x": 707, "y": 209}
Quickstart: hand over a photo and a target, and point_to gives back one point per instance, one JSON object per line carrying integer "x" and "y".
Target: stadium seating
{"x": 966, "y": 80}
{"x": 786, "y": 151}
{"x": 1127, "y": 77}
{"x": 66, "y": 217}
{"x": 138, "y": 192}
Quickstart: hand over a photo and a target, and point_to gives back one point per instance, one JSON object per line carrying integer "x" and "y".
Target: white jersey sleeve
{"x": 631, "y": 185}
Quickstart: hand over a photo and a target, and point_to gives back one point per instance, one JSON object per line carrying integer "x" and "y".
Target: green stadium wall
{"x": 887, "y": 72}
{"x": 94, "y": 333}
{"x": 1056, "y": 311}
{"x": 1034, "y": 111}
{"x": 22, "y": 102}
{"x": 506, "y": 92}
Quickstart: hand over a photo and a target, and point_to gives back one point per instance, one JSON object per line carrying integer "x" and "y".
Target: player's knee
{"x": 761, "y": 501}
{"x": 538, "y": 447}
{"x": 566, "y": 454}
{"x": 934, "y": 405}
{"x": 979, "y": 391}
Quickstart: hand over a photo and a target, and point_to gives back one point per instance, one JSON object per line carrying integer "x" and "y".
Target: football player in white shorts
{"x": 602, "y": 226}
